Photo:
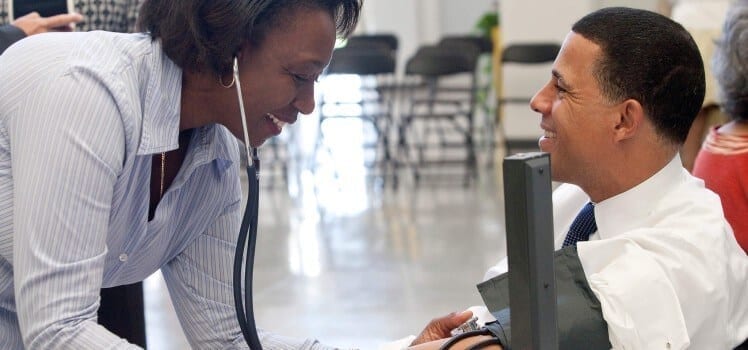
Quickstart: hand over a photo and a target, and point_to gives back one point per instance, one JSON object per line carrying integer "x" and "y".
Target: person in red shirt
{"x": 723, "y": 159}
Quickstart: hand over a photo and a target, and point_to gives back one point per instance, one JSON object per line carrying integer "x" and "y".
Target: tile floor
{"x": 355, "y": 264}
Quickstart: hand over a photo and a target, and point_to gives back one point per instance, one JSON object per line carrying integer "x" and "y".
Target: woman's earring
{"x": 220, "y": 81}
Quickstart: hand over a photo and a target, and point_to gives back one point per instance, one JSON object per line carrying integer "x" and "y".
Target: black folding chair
{"x": 485, "y": 122}
{"x": 373, "y": 59}
{"x": 437, "y": 129}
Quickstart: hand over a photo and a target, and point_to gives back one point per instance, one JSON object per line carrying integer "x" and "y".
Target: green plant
{"x": 486, "y": 23}
{"x": 484, "y": 27}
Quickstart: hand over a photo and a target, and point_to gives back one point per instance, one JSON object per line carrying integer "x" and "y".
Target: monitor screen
{"x": 45, "y": 8}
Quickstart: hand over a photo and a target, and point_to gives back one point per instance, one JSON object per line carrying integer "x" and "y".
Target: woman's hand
{"x": 440, "y": 327}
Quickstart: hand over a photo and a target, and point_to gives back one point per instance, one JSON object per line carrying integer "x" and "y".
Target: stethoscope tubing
{"x": 247, "y": 234}
{"x": 247, "y": 239}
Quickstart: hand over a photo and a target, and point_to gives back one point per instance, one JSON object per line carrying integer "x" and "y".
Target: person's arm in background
{"x": 31, "y": 24}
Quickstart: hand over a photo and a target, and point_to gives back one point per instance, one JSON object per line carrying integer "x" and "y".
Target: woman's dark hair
{"x": 652, "y": 59}
{"x": 202, "y": 35}
{"x": 730, "y": 64}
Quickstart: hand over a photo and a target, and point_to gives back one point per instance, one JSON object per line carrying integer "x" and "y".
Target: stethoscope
{"x": 244, "y": 307}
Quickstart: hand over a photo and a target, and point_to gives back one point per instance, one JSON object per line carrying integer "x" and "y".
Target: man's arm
{"x": 466, "y": 343}
{"x": 580, "y": 320}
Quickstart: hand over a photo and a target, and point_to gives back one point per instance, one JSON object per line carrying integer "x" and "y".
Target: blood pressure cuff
{"x": 580, "y": 319}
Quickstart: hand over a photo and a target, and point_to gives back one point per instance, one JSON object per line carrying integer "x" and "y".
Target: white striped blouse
{"x": 81, "y": 115}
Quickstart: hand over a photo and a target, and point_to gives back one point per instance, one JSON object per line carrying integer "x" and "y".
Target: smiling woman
{"x": 122, "y": 159}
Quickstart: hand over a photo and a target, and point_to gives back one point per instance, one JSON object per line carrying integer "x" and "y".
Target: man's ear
{"x": 630, "y": 119}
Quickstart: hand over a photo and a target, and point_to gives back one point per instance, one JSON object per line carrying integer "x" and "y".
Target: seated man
{"x": 656, "y": 265}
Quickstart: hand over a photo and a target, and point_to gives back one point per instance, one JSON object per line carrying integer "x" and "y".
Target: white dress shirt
{"x": 81, "y": 116}
{"x": 664, "y": 263}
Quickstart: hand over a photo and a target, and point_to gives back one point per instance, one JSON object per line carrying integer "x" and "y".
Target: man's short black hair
{"x": 652, "y": 59}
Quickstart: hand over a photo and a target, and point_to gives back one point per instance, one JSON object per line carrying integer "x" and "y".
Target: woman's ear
{"x": 630, "y": 118}
{"x": 244, "y": 49}
{"x": 240, "y": 56}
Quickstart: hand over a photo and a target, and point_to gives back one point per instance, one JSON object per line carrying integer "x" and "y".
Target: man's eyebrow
{"x": 558, "y": 77}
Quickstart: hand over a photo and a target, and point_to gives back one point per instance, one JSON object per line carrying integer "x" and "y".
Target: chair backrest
{"x": 528, "y": 53}
{"x": 365, "y": 55}
{"x": 484, "y": 44}
{"x": 385, "y": 40}
{"x": 469, "y": 49}
{"x": 361, "y": 61}
{"x": 436, "y": 61}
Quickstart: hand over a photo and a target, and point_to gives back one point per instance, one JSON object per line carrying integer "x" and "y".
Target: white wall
{"x": 459, "y": 17}
{"x": 642, "y": 4}
{"x": 539, "y": 20}
{"x": 394, "y": 16}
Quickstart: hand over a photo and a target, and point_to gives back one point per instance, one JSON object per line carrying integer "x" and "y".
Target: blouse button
{"x": 123, "y": 257}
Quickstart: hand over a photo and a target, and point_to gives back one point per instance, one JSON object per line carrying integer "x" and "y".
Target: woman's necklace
{"x": 163, "y": 172}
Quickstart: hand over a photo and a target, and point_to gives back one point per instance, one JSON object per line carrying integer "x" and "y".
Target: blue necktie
{"x": 582, "y": 227}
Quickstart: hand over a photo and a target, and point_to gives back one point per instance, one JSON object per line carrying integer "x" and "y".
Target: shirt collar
{"x": 212, "y": 144}
{"x": 161, "y": 108}
{"x": 631, "y": 209}
{"x": 161, "y": 103}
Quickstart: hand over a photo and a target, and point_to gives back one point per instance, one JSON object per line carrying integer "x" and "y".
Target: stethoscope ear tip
{"x": 251, "y": 151}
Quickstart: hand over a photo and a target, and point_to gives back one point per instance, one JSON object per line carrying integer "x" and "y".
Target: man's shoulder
{"x": 692, "y": 197}
{"x": 687, "y": 213}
